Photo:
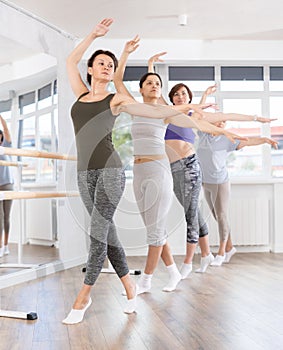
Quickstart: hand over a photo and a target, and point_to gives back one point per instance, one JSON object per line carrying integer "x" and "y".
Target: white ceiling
{"x": 207, "y": 20}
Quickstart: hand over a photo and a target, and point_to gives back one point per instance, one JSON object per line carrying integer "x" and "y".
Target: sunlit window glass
{"x": 241, "y": 79}
{"x": 276, "y": 79}
{"x": 248, "y": 160}
{"x": 276, "y": 110}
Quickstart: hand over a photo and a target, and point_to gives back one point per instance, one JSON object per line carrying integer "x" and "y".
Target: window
{"x": 196, "y": 77}
{"x": 241, "y": 79}
{"x": 276, "y": 78}
{"x": 276, "y": 104}
{"x": 5, "y": 111}
{"x": 121, "y": 135}
{"x": 248, "y": 160}
{"x": 38, "y": 130}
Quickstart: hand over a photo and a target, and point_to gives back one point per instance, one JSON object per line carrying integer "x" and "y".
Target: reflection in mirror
{"x": 29, "y": 105}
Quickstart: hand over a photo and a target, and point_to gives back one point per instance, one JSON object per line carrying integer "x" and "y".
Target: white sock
{"x": 174, "y": 278}
{"x": 204, "y": 263}
{"x": 218, "y": 260}
{"x": 76, "y": 316}
{"x": 186, "y": 269}
{"x": 6, "y": 250}
{"x": 131, "y": 305}
{"x": 228, "y": 255}
{"x": 144, "y": 283}
{"x": 1, "y": 252}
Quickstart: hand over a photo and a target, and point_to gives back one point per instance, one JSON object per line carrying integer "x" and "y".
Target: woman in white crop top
{"x": 153, "y": 184}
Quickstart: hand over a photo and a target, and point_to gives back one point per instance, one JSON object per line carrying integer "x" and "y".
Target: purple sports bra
{"x": 174, "y": 132}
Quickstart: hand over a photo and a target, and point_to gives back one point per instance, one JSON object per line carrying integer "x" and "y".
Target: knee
{"x": 156, "y": 239}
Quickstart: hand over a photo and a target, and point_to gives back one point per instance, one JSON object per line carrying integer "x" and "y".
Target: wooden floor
{"x": 31, "y": 254}
{"x": 236, "y": 306}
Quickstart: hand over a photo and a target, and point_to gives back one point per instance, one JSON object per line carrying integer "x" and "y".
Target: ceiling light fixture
{"x": 183, "y": 19}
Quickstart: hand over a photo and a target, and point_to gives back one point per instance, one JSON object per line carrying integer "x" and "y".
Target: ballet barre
{"x": 11, "y": 195}
{"x": 34, "y": 154}
{"x": 16, "y": 164}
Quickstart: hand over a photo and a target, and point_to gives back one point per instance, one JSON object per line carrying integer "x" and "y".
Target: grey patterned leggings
{"x": 101, "y": 191}
{"x": 5, "y": 210}
{"x": 187, "y": 180}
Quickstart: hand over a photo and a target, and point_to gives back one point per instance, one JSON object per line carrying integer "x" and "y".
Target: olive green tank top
{"x": 93, "y": 123}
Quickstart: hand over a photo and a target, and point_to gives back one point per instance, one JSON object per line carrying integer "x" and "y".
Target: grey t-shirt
{"x": 5, "y": 172}
{"x": 213, "y": 152}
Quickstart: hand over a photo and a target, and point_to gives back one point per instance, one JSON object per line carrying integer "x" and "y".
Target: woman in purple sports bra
{"x": 187, "y": 181}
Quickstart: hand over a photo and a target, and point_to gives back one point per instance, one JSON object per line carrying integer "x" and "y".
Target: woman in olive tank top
{"x": 101, "y": 178}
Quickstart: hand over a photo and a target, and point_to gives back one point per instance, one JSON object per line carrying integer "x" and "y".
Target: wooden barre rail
{"x": 7, "y": 163}
{"x": 9, "y": 195}
{"x": 36, "y": 154}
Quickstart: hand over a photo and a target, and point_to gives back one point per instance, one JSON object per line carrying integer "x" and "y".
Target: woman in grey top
{"x": 213, "y": 152}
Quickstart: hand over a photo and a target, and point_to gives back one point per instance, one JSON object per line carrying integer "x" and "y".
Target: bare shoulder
{"x": 120, "y": 99}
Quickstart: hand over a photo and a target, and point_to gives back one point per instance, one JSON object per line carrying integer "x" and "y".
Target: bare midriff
{"x": 178, "y": 149}
{"x": 148, "y": 158}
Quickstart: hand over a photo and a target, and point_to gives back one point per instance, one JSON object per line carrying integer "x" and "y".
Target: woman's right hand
{"x": 156, "y": 58}
{"x": 132, "y": 45}
{"x": 102, "y": 28}
{"x": 211, "y": 89}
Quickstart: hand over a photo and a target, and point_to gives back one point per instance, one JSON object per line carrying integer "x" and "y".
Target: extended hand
{"x": 211, "y": 90}
{"x": 103, "y": 27}
{"x": 132, "y": 45}
{"x": 156, "y": 58}
{"x": 264, "y": 120}
{"x": 271, "y": 142}
{"x": 233, "y": 137}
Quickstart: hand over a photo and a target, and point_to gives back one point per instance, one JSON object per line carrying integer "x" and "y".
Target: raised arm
{"x": 77, "y": 84}
{"x": 6, "y": 132}
{"x": 255, "y": 141}
{"x": 150, "y": 65}
{"x": 130, "y": 47}
{"x": 209, "y": 91}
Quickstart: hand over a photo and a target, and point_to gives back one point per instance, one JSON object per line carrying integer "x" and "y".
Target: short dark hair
{"x": 95, "y": 54}
{"x": 177, "y": 87}
{"x": 144, "y": 77}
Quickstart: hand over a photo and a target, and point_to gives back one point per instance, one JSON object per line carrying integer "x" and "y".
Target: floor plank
{"x": 237, "y": 306}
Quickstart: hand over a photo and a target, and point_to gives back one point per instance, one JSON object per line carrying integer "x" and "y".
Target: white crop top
{"x": 148, "y": 136}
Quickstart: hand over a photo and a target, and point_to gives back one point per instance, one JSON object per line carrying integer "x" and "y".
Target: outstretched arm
{"x": 6, "y": 132}
{"x": 219, "y": 116}
{"x": 203, "y": 126}
{"x": 77, "y": 84}
{"x": 170, "y": 115}
{"x": 130, "y": 47}
{"x": 255, "y": 141}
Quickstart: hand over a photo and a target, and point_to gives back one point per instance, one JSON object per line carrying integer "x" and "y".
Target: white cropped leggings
{"x": 217, "y": 197}
{"x": 153, "y": 188}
